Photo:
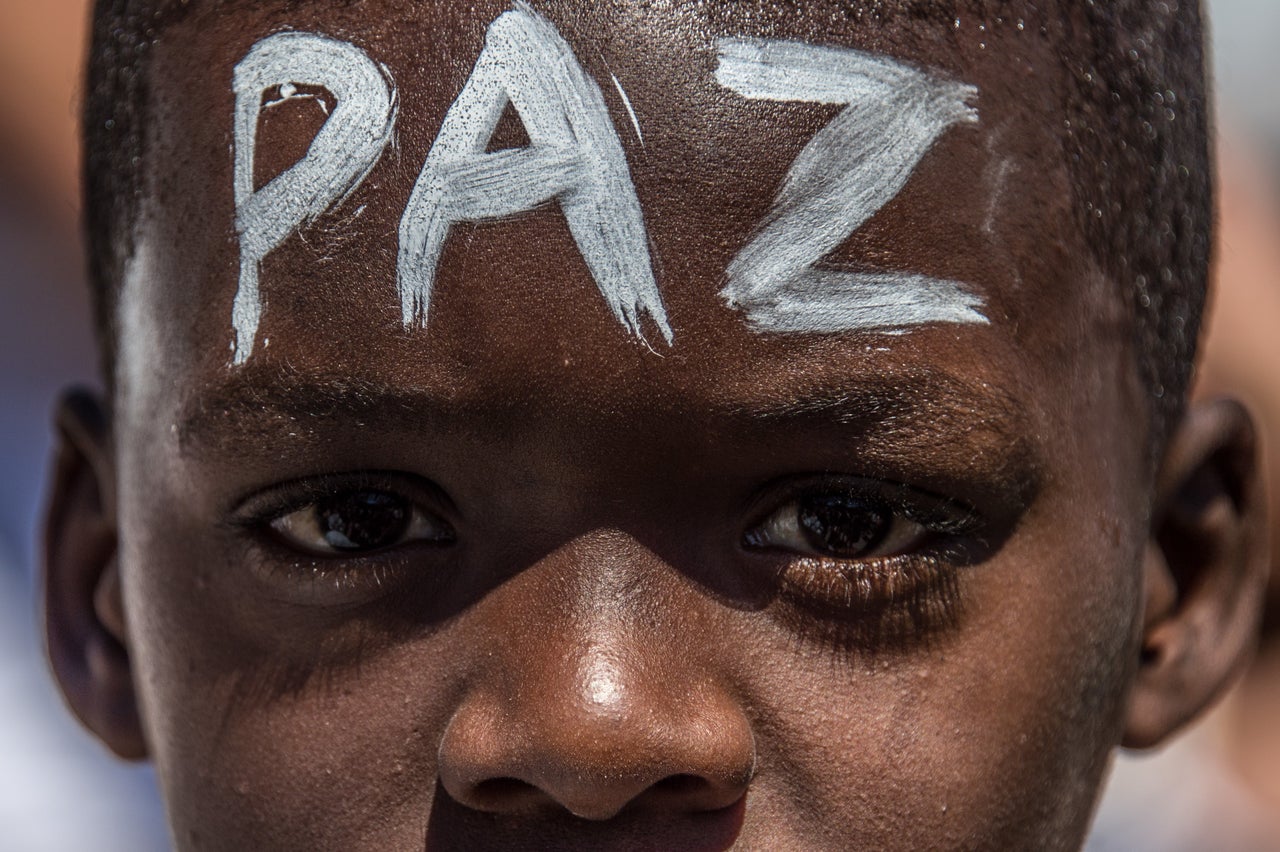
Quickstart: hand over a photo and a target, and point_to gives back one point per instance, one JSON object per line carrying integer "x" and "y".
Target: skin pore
{"x": 773, "y": 590}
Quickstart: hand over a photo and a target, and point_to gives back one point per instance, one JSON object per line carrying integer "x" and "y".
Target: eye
{"x": 861, "y": 563}
{"x": 839, "y": 525}
{"x": 359, "y": 521}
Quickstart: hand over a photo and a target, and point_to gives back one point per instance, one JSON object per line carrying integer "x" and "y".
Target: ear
{"x": 1205, "y": 569}
{"x": 83, "y": 607}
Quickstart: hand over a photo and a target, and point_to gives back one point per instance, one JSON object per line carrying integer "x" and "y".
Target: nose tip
{"x": 596, "y": 762}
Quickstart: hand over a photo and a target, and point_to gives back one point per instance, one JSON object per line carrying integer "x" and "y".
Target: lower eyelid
{"x": 865, "y": 583}
{"x": 337, "y": 581}
{"x": 887, "y": 603}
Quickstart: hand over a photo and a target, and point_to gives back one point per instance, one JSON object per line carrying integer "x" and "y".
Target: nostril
{"x": 679, "y": 785}
{"x": 501, "y": 787}
{"x": 688, "y": 792}
{"x": 503, "y": 794}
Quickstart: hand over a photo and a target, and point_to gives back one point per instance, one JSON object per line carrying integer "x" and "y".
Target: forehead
{"x": 517, "y": 311}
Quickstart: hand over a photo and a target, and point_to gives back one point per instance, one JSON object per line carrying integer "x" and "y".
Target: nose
{"x": 597, "y": 712}
{"x": 595, "y": 738}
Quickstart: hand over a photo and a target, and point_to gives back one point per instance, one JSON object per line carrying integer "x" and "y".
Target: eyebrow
{"x": 258, "y": 401}
{"x": 929, "y": 421}
{"x": 882, "y": 398}
{"x": 927, "y": 404}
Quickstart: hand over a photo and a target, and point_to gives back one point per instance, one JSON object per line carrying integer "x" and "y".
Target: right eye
{"x": 838, "y": 525}
{"x": 359, "y": 521}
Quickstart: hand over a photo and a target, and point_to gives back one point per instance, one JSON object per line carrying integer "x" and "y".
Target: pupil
{"x": 362, "y": 520}
{"x": 843, "y": 525}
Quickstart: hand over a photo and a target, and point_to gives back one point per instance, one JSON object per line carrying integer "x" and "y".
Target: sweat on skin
{"x": 893, "y": 114}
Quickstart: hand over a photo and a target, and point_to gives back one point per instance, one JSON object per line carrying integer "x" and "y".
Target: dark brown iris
{"x": 362, "y": 520}
{"x": 843, "y": 524}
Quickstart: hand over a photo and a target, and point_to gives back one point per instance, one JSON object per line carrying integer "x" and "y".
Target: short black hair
{"x": 1135, "y": 135}
{"x": 1137, "y": 132}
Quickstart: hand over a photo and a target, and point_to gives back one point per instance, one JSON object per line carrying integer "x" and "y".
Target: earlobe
{"x": 83, "y": 608}
{"x": 1205, "y": 569}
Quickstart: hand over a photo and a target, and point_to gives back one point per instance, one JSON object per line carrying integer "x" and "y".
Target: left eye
{"x": 359, "y": 521}
{"x": 837, "y": 525}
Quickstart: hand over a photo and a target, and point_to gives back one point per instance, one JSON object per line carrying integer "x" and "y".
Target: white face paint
{"x": 849, "y": 170}
{"x": 575, "y": 157}
{"x": 626, "y": 102}
{"x": 339, "y": 158}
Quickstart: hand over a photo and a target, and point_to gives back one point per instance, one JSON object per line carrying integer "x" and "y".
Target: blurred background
{"x": 59, "y": 790}
{"x": 1218, "y": 788}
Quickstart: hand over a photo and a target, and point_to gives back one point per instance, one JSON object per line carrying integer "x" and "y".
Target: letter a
{"x": 575, "y": 157}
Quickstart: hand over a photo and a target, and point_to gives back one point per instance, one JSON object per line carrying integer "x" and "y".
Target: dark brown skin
{"x": 599, "y": 658}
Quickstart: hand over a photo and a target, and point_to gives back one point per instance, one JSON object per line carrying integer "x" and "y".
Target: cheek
{"x": 334, "y": 760}
{"x": 994, "y": 736}
{"x": 346, "y": 762}
{"x": 274, "y": 739}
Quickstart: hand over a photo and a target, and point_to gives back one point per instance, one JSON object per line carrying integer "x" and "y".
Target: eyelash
{"x": 336, "y": 577}
{"x": 878, "y": 601}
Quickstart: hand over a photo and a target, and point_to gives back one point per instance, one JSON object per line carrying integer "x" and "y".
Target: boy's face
{"x": 517, "y": 578}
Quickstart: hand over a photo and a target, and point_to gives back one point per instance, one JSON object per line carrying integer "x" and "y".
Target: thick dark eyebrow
{"x": 265, "y": 402}
{"x": 922, "y": 407}
{"x": 882, "y": 399}
{"x": 958, "y": 426}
